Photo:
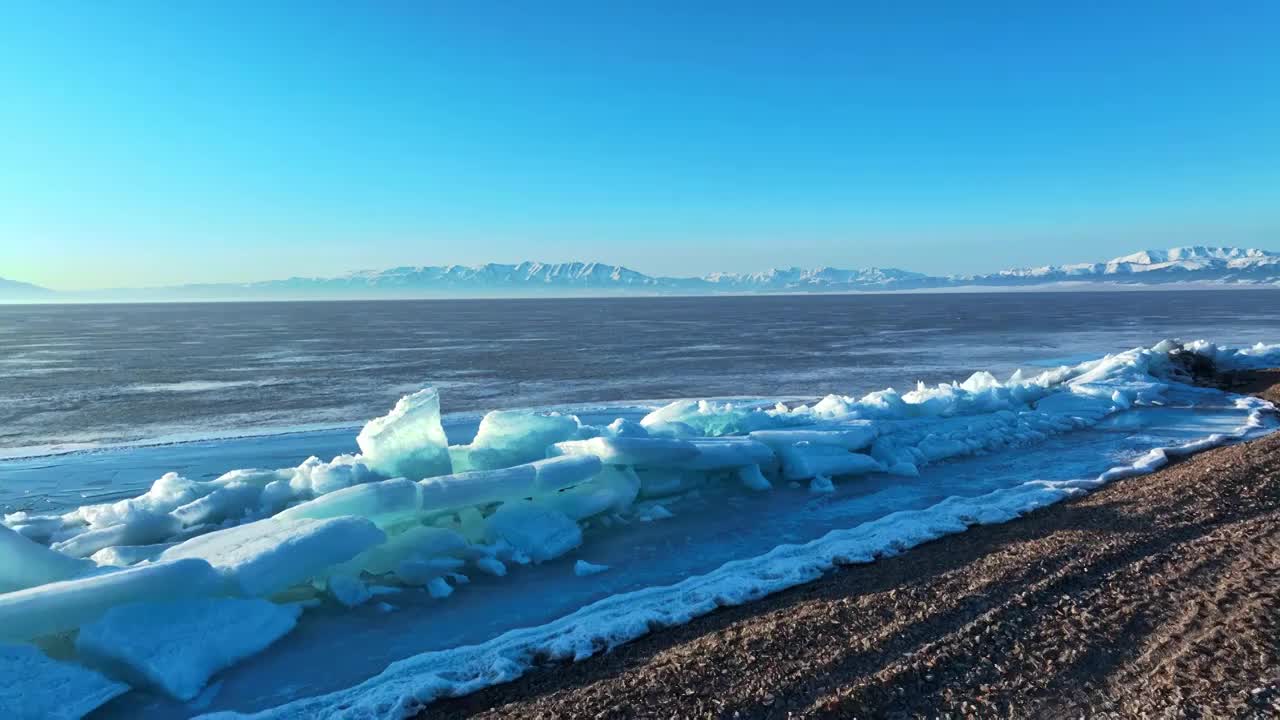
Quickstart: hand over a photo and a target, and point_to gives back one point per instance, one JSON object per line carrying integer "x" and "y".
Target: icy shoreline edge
{"x": 407, "y": 686}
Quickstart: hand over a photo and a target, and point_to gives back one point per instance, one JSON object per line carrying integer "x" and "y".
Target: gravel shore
{"x": 1157, "y": 596}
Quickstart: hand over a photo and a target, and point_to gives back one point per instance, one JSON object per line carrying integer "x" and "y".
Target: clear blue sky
{"x": 160, "y": 142}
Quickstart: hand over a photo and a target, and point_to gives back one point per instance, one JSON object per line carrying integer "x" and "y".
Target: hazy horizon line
{"x": 618, "y": 266}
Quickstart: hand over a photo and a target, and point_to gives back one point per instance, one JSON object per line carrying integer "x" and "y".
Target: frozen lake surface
{"x": 73, "y": 376}
{"x": 674, "y": 514}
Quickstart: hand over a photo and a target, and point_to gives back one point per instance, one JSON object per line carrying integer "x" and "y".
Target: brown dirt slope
{"x": 1157, "y": 596}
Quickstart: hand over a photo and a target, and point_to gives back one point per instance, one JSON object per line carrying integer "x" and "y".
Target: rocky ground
{"x": 1157, "y": 596}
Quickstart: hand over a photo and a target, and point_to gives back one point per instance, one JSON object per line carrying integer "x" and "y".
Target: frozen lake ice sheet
{"x": 722, "y": 543}
{"x": 360, "y": 643}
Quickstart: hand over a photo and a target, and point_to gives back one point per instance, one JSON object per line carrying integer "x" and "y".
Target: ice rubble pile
{"x": 1258, "y": 357}
{"x": 165, "y": 589}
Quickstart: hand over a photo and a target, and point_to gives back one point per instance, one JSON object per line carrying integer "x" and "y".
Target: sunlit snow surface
{"x": 555, "y": 534}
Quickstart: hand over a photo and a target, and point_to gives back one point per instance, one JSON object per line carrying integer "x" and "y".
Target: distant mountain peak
{"x": 1191, "y": 253}
{"x": 15, "y": 290}
{"x": 1195, "y": 263}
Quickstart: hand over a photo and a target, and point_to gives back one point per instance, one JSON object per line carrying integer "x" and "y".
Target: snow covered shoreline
{"x": 413, "y": 511}
{"x": 408, "y": 686}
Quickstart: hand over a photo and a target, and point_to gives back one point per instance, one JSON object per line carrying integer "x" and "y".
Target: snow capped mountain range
{"x": 574, "y": 274}
{"x": 1150, "y": 267}
{"x": 1181, "y": 264}
{"x": 820, "y": 279}
{"x": 1198, "y": 265}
